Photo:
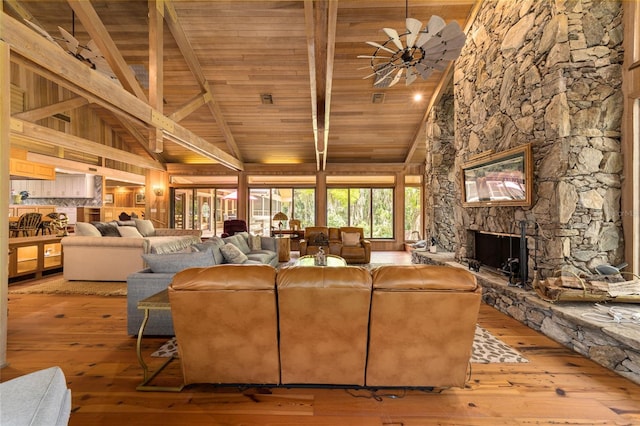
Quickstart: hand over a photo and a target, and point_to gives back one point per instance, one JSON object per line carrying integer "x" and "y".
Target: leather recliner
{"x": 423, "y": 320}
{"x": 226, "y": 322}
{"x": 323, "y": 322}
{"x": 331, "y": 239}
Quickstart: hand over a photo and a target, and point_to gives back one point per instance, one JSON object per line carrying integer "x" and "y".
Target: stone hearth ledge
{"x": 612, "y": 345}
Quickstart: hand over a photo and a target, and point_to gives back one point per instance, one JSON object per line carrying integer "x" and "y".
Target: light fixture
{"x": 280, "y": 217}
{"x": 423, "y": 50}
{"x": 158, "y": 190}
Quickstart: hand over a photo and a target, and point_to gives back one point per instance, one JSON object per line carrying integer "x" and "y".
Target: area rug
{"x": 486, "y": 349}
{"x": 62, "y": 286}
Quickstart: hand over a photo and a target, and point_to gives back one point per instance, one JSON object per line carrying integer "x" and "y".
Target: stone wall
{"x": 546, "y": 73}
{"x": 440, "y": 181}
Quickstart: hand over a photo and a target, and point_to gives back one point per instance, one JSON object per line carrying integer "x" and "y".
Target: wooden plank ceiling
{"x": 220, "y": 58}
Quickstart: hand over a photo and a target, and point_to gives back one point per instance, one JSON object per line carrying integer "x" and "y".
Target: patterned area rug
{"x": 486, "y": 349}
{"x": 59, "y": 285}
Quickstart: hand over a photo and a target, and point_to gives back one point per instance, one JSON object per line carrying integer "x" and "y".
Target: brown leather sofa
{"x": 400, "y": 326}
{"x": 331, "y": 239}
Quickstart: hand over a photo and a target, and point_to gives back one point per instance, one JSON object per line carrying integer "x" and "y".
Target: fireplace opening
{"x": 499, "y": 252}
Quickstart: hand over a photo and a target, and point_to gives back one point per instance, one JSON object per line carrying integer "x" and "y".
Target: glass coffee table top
{"x": 332, "y": 260}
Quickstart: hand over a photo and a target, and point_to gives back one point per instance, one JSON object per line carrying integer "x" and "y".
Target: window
{"x": 367, "y": 208}
{"x": 296, "y": 203}
{"x": 412, "y": 213}
{"x": 203, "y": 208}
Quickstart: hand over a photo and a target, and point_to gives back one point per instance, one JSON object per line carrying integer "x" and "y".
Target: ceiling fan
{"x": 89, "y": 54}
{"x": 415, "y": 52}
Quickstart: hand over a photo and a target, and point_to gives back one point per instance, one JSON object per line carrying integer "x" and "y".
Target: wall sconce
{"x": 158, "y": 190}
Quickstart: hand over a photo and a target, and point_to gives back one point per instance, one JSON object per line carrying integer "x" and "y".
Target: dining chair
{"x": 27, "y": 225}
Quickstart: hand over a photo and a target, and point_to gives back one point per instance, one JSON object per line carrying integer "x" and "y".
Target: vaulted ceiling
{"x": 221, "y": 59}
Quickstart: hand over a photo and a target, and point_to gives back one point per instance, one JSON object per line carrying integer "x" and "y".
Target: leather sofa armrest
{"x": 268, "y": 243}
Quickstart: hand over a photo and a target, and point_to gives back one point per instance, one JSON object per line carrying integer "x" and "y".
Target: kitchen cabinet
{"x": 64, "y": 186}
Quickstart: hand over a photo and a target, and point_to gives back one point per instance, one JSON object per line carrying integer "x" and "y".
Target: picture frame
{"x": 502, "y": 179}
{"x": 108, "y": 198}
{"x": 140, "y": 198}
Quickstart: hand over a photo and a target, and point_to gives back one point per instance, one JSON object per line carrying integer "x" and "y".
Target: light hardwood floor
{"x": 85, "y": 335}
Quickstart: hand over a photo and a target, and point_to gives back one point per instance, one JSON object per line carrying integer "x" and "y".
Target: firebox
{"x": 500, "y": 252}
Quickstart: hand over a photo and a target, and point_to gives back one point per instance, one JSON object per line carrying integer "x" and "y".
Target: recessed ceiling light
{"x": 417, "y": 97}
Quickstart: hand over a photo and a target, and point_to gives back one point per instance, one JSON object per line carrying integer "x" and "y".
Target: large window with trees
{"x": 367, "y": 208}
{"x": 296, "y": 203}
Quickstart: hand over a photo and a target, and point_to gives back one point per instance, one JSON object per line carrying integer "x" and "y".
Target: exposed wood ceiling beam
{"x": 171, "y": 18}
{"x": 96, "y": 29}
{"x": 49, "y": 110}
{"x": 439, "y": 91}
{"x": 156, "y": 70}
{"x": 23, "y": 130}
{"x": 320, "y": 29}
{"x": 191, "y": 106}
{"x": 311, "y": 55}
{"x": 38, "y": 50}
{"x": 135, "y": 133}
{"x": 331, "y": 45}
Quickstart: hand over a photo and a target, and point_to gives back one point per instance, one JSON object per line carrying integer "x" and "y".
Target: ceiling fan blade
{"x": 424, "y": 70}
{"x": 91, "y": 50}
{"x": 411, "y": 76}
{"x": 451, "y": 30}
{"x": 396, "y": 78}
{"x": 373, "y": 57}
{"x": 451, "y": 55}
{"x": 439, "y": 65}
{"x": 379, "y": 46}
{"x": 393, "y": 35}
{"x": 40, "y": 31}
{"x": 434, "y": 25}
{"x": 413, "y": 26}
{"x": 453, "y": 44}
{"x": 384, "y": 76}
{"x": 72, "y": 43}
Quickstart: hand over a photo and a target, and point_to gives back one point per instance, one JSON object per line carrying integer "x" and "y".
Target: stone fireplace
{"x": 548, "y": 74}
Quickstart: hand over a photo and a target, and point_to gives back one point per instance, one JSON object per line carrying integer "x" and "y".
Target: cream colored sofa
{"x": 102, "y": 258}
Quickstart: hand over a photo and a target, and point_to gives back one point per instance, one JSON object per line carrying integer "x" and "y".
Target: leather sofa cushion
{"x": 423, "y": 277}
{"x": 324, "y": 277}
{"x": 226, "y": 277}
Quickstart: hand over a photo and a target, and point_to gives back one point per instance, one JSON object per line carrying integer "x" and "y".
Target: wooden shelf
{"x": 34, "y": 255}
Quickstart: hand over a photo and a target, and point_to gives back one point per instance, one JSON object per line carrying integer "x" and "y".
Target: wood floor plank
{"x": 86, "y": 336}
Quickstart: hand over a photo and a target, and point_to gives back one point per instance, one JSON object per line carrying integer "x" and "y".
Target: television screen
{"x": 498, "y": 179}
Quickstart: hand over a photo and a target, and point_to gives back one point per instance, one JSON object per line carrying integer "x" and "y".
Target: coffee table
{"x": 310, "y": 260}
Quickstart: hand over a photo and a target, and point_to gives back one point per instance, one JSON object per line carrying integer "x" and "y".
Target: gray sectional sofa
{"x": 255, "y": 250}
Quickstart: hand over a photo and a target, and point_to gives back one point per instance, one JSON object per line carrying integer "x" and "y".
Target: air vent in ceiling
{"x": 62, "y": 117}
{"x": 267, "y": 99}
{"x": 377, "y": 98}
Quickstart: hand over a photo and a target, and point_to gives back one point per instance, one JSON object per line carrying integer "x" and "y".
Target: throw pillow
{"x": 238, "y": 241}
{"x": 214, "y": 244}
{"x": 255, "y": 242}
{"x": 129, "y": 231}
{"x": 171, "y": 263}
{"x": 85, "y": 229}
{"x": 350, "y": 239}
{"x": 145, "y": 227}
{"x": 106, "y": 229}
{"x": 232, "y": 254}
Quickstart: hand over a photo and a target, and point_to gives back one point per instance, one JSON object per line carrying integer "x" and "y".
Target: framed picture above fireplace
{"x": 500, "y": 179}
